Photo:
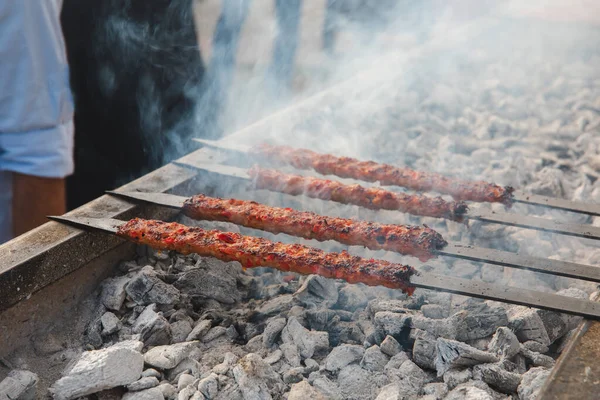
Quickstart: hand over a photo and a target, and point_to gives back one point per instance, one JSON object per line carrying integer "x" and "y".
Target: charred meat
{"x": 258, "y": 252}
{"x": 385, "y": 174}
{"x": 420, "y": 242}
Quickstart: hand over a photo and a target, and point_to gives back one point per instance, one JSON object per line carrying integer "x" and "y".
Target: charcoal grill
{"x": 54, "y": 266}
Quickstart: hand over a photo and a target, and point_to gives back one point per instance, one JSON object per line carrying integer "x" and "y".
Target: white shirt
{"x": 36, "y": 105}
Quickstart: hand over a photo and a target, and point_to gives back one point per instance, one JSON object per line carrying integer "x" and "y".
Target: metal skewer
{"x": 455, "y": 250}
{"x": 547, "y": 301}
{"x": 504, "y": 218}
{"x": 518, "y": 196}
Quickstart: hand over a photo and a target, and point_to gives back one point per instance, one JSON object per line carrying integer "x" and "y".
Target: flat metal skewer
{"x": 518, "y": 196}
{"x": 453, "y": 249}
{"x": 510, "y": 219}
{"x": 506, "y": 294}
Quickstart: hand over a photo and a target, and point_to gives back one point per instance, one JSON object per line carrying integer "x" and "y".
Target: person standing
{"x": 36, "y": 115}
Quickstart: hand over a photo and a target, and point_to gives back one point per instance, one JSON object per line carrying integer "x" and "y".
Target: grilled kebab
{"x": 373, "y": 198}
{"x": 418, "y": 241}
{"x": 258, "y": 252}
{"x": 387, "y": 175}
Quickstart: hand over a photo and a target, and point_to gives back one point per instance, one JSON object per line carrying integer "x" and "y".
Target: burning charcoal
{"x": 532, "y": 382}
{"x": 214, "y": 333}
{"x": 373, "y": 359}
{"x": 311, "y": 365}
{"x": 19, "y": 385}
{"x": 110, "y": 323}
{"x": 455, "y": 376}
{"x": 434, "y": 311}
{"x": 481, "y": 324}
{"x": 201, "y": 328}
{"x": 504, "y": 343}
{"x": 308, "y": 342}
{"x": 209, "y": 386}
{"x": 148, "y": 394}
{"x": 277, "y": 305}
{"x": 93, "y": 334}
{"x": 329, "y": 389}
{"x": 528, "y": 325}
{"x": 425, "y": 352}
{"x": 187, "y": 366}
{"x": 537, "y": 359}
{"x": 293, "y": 375}
{"x": 180, "y": 330}
{"x": 146, "y": 288}
{"x": 351, "y": 298}
{"x": 186, "y": 393}
{"x": 184, "y": 381}
{"x": 256, "y": 379}
{"x": 356, "y": 383}
{"x": 151, "y": 372}
{"x": 169, "y": 392}
{"x": 303, "y": 391}
{"x": 153, "y": 327}
{"x": 100, "y": 370}
{"x": 392, "y": 323}
{"x": 395, "y": 363}
{"x": 372, "y": 333}
{"x": 113, "y": 292}
{"x": 142, "y": 383}
{"x": 255, "y": 345}
{"x": 209, "y": 283}
{"x": 229, "y": 360}
{"x": 390, "y": 392}
{"x": 390, "y": 346}
{"x": 437, "y": 390}
{"x": 317, "y": 291}
{"x": 497, "y": 378}
{"x": 451, "y": 353}
{"x": 410, "y": 378}
{"x": 291, "y": 354}
{"x": 342, "y": 356}
{"x": 168, "y": 357}
{"x": 272, "y": 331}
{"x": 446, "y": 328}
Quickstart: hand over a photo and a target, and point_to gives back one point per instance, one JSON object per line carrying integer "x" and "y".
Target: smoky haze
{"x": 476, "y": 90}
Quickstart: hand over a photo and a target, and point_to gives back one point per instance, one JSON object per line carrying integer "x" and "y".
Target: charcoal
{"x": 308, "y": 342}
{"x": 274, "y": 357}
{"x": 255, "y": 378}
{"x": 456, "y": 376}
{"x": 293, "y": 375}
{"x": 410, "y": 378}
{"x": 110, "y": 323}
{"x": 255, "y": 345}
{"x": 273, "y": 331}
{"x": 311, "y": 365}
{"x": 342, "y": 356}
{"x": 434, "y": 311}
{"x": 99, "y": 370}
{"x": 291, "y": 354}
{"x": 209, "y": 283}
{"x": 209, "y": 386}
{"x": 537, "y": 359}
{"x": 451, "y": 353}
{"x": 184, "y": 381}
{"x": 535, "y": 347}
{"x": 390, "y": 346}
{"x": 437, "y": 390}
{"x": 147, "y": 288}
{"x": 277, "y": 305}
{"x": 19, "y": 385}
{"x": 476, "y": 325}
{"x": 180, "y": 330}
{"x": 394, "y": 306}
{"x": 373, "y": 359}
{"x": 356, "y": 383}
{"x": 317, "y": 291}
{"x": 187, "y": 365}
{"x": 168, "y": 357}
{"x": 214, "y": 333}
{"x": 445, "y": 328}
{"x": 153, "y": 327}
{"x": 532, "y": 382}
{"x": 303, "y": 390}
{"x": 497, "y": 377}
{"x": 113, "y": 292}
{"x": 468, "y": 393}
{"x": 528, "y": 325}
{"x": 351, "y": 298}
{"x": 504, "y": 343}
{"x": 148, "y": 394}
{"x": 186, "y": 393}
{"x": 151, "y": 372}
{"x": 200, "y": 329}
{"x": 424, "y": 352}
{"x": 142, "y": 384}
{"x": 392, "y": 323}
{"x": 229, "y": 360}
{"x": 390, "y": 392}
{"x": 329, "y": 389}
{"x": 168, "y": 391}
